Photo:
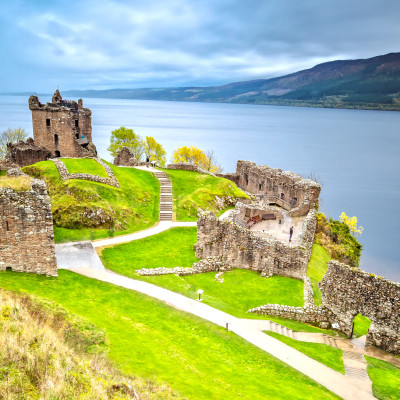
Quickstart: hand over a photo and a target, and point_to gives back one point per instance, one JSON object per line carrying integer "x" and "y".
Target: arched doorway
{"x": 58, "y": 154}
{"x": 361, "y": 325}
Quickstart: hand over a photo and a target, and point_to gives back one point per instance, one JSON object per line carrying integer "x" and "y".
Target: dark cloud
{"x": 92, "y": 44}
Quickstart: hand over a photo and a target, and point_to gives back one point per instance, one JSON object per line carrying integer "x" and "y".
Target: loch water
{"x": 354, "y": 153}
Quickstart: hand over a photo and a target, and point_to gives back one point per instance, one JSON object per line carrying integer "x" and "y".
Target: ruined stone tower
{"x": 64, "y": 127}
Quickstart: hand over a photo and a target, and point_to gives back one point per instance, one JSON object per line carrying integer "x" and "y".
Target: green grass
{"x": 3, "y": 173}
{"x": 84, "y": 166}
{"x": 327, "y": 355}
{"x": 89, "y": 210}
{"x": 361, "y": 325}
{"x": 241, "y": 290}
{"x": 192, "y": 190}
{"x": 385, "y": 379}
{"x": 316, "y": 269}
{"x": 152, "y": 340}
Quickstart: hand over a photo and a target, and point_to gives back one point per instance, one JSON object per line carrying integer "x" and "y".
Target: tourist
{"x": 290, "y": 233}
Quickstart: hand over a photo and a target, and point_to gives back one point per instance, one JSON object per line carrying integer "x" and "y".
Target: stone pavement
{"x": 346, "y": 387}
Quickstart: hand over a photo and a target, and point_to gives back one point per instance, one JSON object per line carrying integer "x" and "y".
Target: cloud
{"x": 91, "y": 44}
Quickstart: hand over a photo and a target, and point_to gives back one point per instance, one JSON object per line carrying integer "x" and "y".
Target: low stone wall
{"x": 202, "y": 266}
{"x": 242, "y": 248}
{"x": 65, "y": 175}
{"x": 26, "y": 229}
{"x": 189, "y": 167}
{"x": 348, "y": 291}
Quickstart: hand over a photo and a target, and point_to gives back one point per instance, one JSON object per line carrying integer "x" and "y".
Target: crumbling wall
{"x": 348, "y": 291}
{"x": 25, "y": 153}
{"x": 63, "y": 127}
{"x": 26, "y": 230}
{"x": 125, "y": 158}
{"x": 242, "y": 248}
{"x": 285, "y": 189}
{"x": 189, "y": 167}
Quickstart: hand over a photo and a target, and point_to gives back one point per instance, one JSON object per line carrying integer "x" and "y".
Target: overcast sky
{"x": 85, "y": 44}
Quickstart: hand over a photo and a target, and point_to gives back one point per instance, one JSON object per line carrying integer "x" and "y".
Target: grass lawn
{"x": 89, "y": 210}
{"x": 361, "y": 325}
{"x": 385, "y": 379}
{"x": 3, "y": 173}
{"x": 192, "y": 190}
{"x": 84, "y": 166}
{"x": 150, "y": 339}
{"x": 240, "y": 291}
{"x": 17, "y": 183}
{"x": 331, "y": 357}
{"x": 316, "y": 269}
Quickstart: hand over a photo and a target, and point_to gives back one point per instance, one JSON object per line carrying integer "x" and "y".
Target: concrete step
{"x": 357, "y": 373}
{"x": 353, "y": 355}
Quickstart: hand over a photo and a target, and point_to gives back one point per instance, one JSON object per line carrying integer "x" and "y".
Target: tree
{"x": 154, "y": 151}
{"x": 10, "y": 136}
{"x": 213, "y": 165}
{"x": 124, "y": 137}
{"x": 351, "y": 222}
{"x": 194, "y": 156}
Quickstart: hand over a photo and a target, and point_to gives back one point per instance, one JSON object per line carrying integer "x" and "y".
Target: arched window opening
{"x": 56, "y": 140}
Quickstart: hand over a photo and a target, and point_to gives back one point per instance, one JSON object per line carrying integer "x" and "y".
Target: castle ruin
{"x": 26, "y": 229}
{"x": 64, "y": 127}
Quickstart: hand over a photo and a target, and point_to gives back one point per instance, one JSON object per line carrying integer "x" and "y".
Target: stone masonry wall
{"x": 59, "y": 126}
{"x": 125, "y": 158}
{"x": 65, "y": 175}
{"x": 189, "y": 167}
{"x": 25, "y": 153}
{"x": 242, "y": 248}
{"x": 348, "y": 291}
{"x": 26, "y": 230}
{"x": 299, "y": 194}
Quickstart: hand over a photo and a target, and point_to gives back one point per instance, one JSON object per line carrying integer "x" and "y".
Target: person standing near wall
{"x": 290, "y": 233}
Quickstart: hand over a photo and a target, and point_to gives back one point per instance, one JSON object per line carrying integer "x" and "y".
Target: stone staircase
{"x": 330, "y": 341}
{"x": 166, "y": 196}
{"x": 282, "y": 330}
{"x": 355, "y": 365}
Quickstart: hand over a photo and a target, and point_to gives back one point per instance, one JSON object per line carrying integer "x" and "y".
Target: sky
{"x": 101, "y": 44}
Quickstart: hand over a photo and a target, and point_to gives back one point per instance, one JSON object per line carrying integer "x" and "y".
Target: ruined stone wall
{"x": 26, "y": 153}
{"x": 348, "y": 291}
{"x": 298, "y": 195}
{"x": 242, "y": 248}
{"x": 26, "y": 230}
{"x": 189, "y": 167}
{"x": 125, "y": 158}
{"x": 58, "y": 126}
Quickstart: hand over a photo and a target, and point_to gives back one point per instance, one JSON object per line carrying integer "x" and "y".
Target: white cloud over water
{"x": 102, "y": 44}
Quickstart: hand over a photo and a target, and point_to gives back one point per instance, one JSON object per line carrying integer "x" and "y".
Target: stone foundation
{"x": 26, "y": 153}
{"x": 26, "y": 230}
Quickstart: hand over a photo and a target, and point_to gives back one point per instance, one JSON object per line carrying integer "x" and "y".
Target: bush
{"x": 336, "y": 238}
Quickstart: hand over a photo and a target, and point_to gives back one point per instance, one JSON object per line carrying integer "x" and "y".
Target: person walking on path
{"x": 290, "y": 233}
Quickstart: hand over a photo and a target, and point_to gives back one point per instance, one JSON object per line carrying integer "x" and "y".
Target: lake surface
{"x": 354, "y": 153}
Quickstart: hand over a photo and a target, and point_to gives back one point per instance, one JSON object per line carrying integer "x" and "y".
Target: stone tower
{"x": 64, "y": 127}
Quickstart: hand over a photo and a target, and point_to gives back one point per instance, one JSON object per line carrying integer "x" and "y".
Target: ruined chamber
{"x": 63, "y": 127}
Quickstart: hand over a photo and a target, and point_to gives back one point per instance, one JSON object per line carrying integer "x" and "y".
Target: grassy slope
{"x": 316, "y": 269}
{"x": 192, "y": 190}
{"x": 331, "y": 357}
{"x": 240, "y": 291}
{"x": 48, "y": 354}
{"x": 84, "y": 166}
{"x": 19, "y": 184}
{"x": 150, "y": 339}
{"x": 131, "y": 208}
{"x": 361, "y": 325}
{"x": 3, "y": 173}
{"x": 385, "y": 379}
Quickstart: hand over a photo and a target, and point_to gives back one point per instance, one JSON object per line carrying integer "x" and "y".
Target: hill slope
{"x": 372, "y": 83}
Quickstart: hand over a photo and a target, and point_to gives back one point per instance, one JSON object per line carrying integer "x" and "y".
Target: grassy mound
{"x": 192, "y": 190}
{"x": 385, "y": 379}
{"x": 316, "y": 269}
{"x": 240, "y": 291}
{"x": 327, "y": 355}
{"x": 84, "y": 166}
{"x": 91, "y": 210}
{"x": 336, "y": 238}
{"x": 197, "y": 359}
{"x": 45, "y": 355}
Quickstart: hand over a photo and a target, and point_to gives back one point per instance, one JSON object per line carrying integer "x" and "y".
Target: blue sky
{"x": 85, "y": 44}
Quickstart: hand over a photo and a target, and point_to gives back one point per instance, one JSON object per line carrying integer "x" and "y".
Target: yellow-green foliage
{"x": 337, "y": 240}
{"x": 38, "y": 360}
{"x": 17, "y": 183}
